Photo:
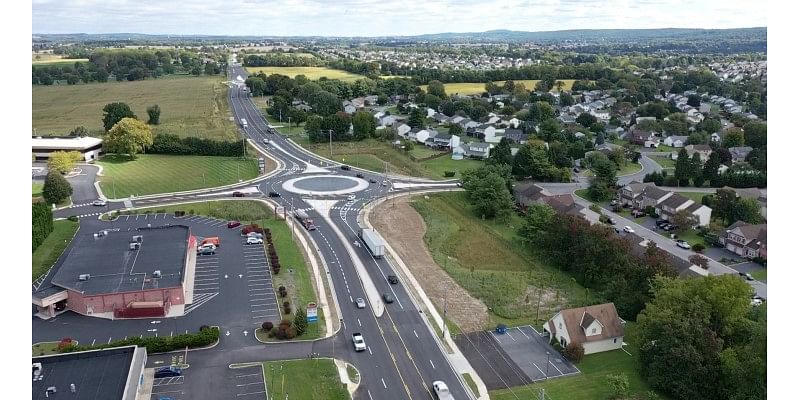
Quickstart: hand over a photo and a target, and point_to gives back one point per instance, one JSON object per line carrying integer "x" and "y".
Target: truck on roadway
{"x": 308, "y": 223}
{"x": 441, "y": 390}
{"x": 374, "y": 242}
{"x": 244, "y": 123}
{"x": 358, "y": 342}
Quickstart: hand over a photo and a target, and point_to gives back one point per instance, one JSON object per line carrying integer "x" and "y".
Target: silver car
{"x": 360, "y": 303}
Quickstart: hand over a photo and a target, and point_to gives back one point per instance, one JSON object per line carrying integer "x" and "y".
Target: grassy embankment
{"x": 304, "y": 380}
{"x": 48, "y": 252}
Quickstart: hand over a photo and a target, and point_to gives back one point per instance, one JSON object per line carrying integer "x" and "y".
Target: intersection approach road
{"x": 403, "y": 356}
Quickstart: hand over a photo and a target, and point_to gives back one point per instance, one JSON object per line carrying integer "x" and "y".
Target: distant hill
{"x": 596, "y": 35}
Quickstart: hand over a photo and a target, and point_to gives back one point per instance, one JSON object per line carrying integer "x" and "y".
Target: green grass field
{"x": 297, "y": 281}
{"x": 304, "y": 380}
{"x": 190, "y": 106}
{"x": 37, "y": 189}
{"x": 629, "y": 168}
{"x": 664, "y": 162}
{"x": 44, "y": 348}
{"x": 48, "y": 252}
{"x": 590, "y": 384}
{"x": 478, "y": 88}
{"x": 312, "y": 73}
{"x": 760, "y": 274}
{"x": 155, "y": 173}
{"x": 487, "y": 258}
{"x": 696, "y": 196}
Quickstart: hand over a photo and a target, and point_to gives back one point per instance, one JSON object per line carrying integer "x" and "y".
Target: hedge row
{"x": 164, "y": 143}
{"x": 159, "y": 344}
{"x": 42, "y": 223}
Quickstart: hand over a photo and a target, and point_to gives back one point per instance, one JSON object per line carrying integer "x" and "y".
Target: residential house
{"x": 370, "y": 100}
{"x": 513, "y": 122}
{"x": 671, "y": 205}
{"x": 458, "y": 153}
{"x": 640, "y": 119}
{"x": 702, "y": 212}
{"x": 349, "y": 107}
{"x": 430, "y": 112}
{"x": 527, "y": 193}
{"x": 652, "y": 196}
{"x": 746, "y": 240}
{"x": 493, "y": 119}
{"x": 439, "y": 117}
{"x": 403, "y": 130}
{"x": 303, "y": 107}
{"x": 420, "y": 135}
{"x": 631, "y": 193}
{"x": 443, "y": 141}
{"x": 614, "y": 130}
{"x": 566, "y": 119}
{"x": 455, "y": 119}
{"x": 716, "y": 137}
{"x": 643, "y": 138}
{"x": 516, "y": 136}
{"x": 490, "y": 135}
{"x": 597, "y": 328}
{"x": 705, "y": 108}
{"x": 387, "y": 120}
{"x": 676, "y": 141}
{"x": 739, "y": 154}
{"x": 478, "y": 150}
{"x": 703, "y": 149}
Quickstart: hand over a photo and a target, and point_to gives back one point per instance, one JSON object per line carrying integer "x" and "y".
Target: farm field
{"x": 489, "y": 260}
{"x": 312, "y": 73}
{"x": 155, "y": 173}
{"x": 190, "y": 106}
{"x": 478, "y": 88}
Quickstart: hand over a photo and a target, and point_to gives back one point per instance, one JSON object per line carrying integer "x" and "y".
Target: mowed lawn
{"x": 155, "y": 173}
{"x": 297, "y": 281}
{"x": 312, "y": 73}
{"x": 190, "y": 106}
{"x": 478, "y": 88}
{"x": 37, "y": 188}
{"x": 591, "y": 383}
{"x": 48, "y": 252}
{"x": 488, "y": 259}
{"x": 304, "y": 380}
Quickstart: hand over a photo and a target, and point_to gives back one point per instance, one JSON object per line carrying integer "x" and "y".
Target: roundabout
{"x": 320, "y": 185}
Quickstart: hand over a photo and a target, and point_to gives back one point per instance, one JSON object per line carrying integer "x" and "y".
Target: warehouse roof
{"x": 113, "y": 267}
{"x": 64, "y": 143}
{"x": 97, "y": 375}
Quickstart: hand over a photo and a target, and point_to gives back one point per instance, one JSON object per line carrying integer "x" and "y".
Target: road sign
{"x": 311, "y": 312}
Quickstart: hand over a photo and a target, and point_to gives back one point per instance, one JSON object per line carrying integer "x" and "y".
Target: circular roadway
{"x": 325, "y": 185}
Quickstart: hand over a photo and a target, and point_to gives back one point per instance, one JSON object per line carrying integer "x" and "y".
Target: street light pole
{"x": 330, "y": 141}
{"x": 546, "y": 375}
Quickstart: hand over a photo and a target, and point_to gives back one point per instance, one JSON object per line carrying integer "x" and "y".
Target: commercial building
{"x": 90, "y": 148}
{"x": 108, "y": 374}
{"x": 114, "y": 274}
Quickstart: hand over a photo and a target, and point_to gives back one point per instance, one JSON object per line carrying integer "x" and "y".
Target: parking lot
{"x": 248, "y": 382}
{"x": 518, "y": 357}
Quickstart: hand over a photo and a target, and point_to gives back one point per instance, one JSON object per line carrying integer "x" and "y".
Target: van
{"x": 212, "y": 240}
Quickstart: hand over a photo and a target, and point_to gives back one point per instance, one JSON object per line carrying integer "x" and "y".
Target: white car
{"x": 99, "y": 202}
{"x": 628, "y": 229}
{"x": 255, "y": 235}
{"x": 360, "y": 303}
{"x": 351, "y": 197}
{"x": 254, "y": 240}
{"x": 683, "y": 244}
{"x": 209, "y": 246}
{"x": 266, "y": 141}
{"x": 441, "y": 390}
{"x": 358, "y": 342}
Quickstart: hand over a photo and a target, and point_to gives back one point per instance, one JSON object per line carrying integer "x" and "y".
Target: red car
{"x": 233, "y": 224}
{"x": 238, "y": 194}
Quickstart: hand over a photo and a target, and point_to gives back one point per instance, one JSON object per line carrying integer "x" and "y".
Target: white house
{"x": 421, "y": 135}
{"x": 478, "y": 150}
{"x": 715, "y": 137}
{"x": 430, "y": 112}
{"x": 403, "y": 129}
{"x": 489, "y": 135}
{"x": 598, "y": 328}
{"x": 458, "y": 153}
{"x": 676, "y": 141}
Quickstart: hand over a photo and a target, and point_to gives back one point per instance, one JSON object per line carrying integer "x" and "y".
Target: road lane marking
{"x": 370, "y": 350}
{"x": 415, "y": 333}
{"x": 384, "y": 383}
{"x": 431, "y": 361}
{"x": 359, "y": 321}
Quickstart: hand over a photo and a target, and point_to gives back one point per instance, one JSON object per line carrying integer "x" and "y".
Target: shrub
{"x": 595, "y": 208}
{"x": 699, "y": 260}
{"x": 300, "y": 321}
{"x": 671, "y": 181}
{"x": 42, "y": 218}
{"x": 204, "y": 328}
{"x": 159, "y": 344}
{"x": 64, "y": 343}
{"x": 291, "y": 333}
{"x": 651, "y": 211}
{"x": 191, "y": 211}
{"x": 449, "y": 174}
{"x": 573, "y": 352}
{"x": 267, "y": 326}
{"x": 698, "y": 247}
{"x": 56, "y": 188}
{"x": 760, "y": 260}
{"x": 173, "y": 144}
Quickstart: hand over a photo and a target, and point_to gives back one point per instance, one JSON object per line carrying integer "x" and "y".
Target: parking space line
{"x": 554, "y": 366}
{"x": 537, "y": 367}
{"x": 523, "y": 333}
{"x": 206, "y": 279}
{"x": 257, "y": 290}
{"x": 257, "y": 284}
{"x": 248, "y": 394}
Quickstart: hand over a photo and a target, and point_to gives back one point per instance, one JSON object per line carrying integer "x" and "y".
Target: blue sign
{"x": 311, "y": 312}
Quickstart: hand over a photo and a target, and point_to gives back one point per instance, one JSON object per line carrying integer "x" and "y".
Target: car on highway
{"x": 345, "y": 167}
{"x": 393, "y": 279}
{"x": 237, "y": 194}
{"x": 233, "y": 224}
{"x": 628, "y": 229}
{"x": 388, "y": 298}
{"x": 442, "y": 391}
{"x": 385, "y": 183}
{"x": 360, "y": 175}
{"x": 746, "y": 276}
{"x": 372, "y": 180}
{"x": 99, "y": 202}
{"x": 358, "y": 342}
{"x": 683, "y": 244}
{"x": 266, "y": 141}
{"x": 274, "y": 194}
{"x": 360, "y": 303}
{"x": 167, "y": 372}
{"x": 254, "y": 240}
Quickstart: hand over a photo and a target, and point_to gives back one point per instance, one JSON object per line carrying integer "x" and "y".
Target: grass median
{"x": 156, "y": 173}
{"x": 48, "y": 252}
{"x": 304, "y": 380}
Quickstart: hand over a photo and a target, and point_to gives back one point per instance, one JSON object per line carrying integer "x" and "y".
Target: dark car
{"x": 238, "y": 194}
{"x": 392, "y": 279}
{"x": 346, "y": 167}
{"x": 372, "y": 180}
{"x": 661, "y": 221}
{"x": 166, "y": 372}
{"x": 388, "y": 298}
{"x": 274, "y": 194}
{"x": 233, "y": 224}
{"x": 359, "y": 175}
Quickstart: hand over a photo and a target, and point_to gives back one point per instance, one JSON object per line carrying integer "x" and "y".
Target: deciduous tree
{"x": 56, "y": 188}
{"x": 128, "y": 136}
{"x": 63, "y": 161}
{"x": 114, "y": 112}
{"x": 153, "y": 114}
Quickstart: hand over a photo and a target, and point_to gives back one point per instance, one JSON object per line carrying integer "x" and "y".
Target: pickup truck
{"x": 441, "y": 390}
{"x": 358, "y": 342}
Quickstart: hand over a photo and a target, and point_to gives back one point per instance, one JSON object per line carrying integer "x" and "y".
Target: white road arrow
{"x": 227, "y": 333}
{"x": 245, "y": 333}
{"x": 240, "y": 276}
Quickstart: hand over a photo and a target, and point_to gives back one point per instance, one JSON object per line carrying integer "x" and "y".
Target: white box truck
{"x": 374, "y": 242}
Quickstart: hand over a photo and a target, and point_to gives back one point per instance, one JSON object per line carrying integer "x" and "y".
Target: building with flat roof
{"x": 90, "y": 147}
{"x": 108, "y": 374}
{"x": 115, "y": 274}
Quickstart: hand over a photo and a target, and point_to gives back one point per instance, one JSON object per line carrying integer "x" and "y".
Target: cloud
{"x": 382, "y": 18}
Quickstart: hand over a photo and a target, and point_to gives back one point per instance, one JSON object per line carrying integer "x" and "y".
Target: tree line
{"x": 280, "y": 60}
{"x": 42, "y": 217}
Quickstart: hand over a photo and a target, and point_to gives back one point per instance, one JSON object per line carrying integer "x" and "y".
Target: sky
{"x": 383, "y": 17}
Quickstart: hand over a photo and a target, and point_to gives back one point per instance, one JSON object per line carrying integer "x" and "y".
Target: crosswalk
{"x": 88, "y": 215}
{"x": 81, "y": 205}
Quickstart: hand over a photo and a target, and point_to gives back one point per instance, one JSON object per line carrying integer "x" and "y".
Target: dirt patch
{"x": 404, "y": 229}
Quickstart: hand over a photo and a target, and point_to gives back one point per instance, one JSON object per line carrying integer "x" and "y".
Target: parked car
{"x": 99, "y": 202}
{"x": 255, "y": 235}
{"x": 238, "y": 194}
{"x": 255, "y": 240}
{"x": 683, "y": 244}
{"x": 576, "y": 170}
{"x": 661, "y": 221}
{"x": 166, "y": 372}
{"x": 266, "y": 141}
{"x": 274, "y": 194}
{"x": 206, "y": 246}
{"x": 207, "y": 251}
{"x": 360, "y": 303}
{"x": 392, "y": 279}
{"x": 233, "y": 224}
{"x": 669, "y": 227}
{"x": 346, "y": 167}
{"x": 388, "y": 298}
{"x": 613, "y": 203}
{"x": 628, "y": 229}
{"x": 637, "y": 213}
